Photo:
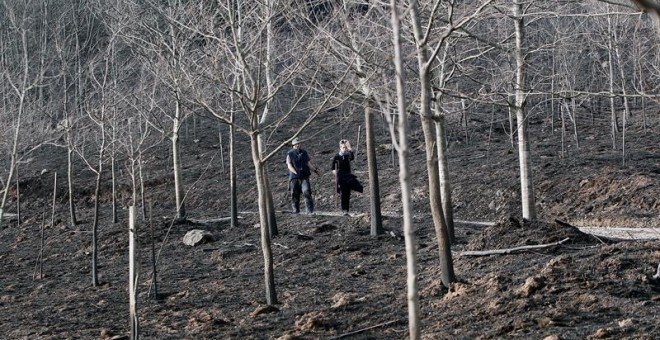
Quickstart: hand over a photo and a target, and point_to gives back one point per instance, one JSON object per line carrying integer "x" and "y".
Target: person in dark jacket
{"x": 344, "y": 179}
{"x": 298, "y": 162}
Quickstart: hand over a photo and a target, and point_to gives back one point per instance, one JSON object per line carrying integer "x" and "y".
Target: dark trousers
{"x": 301, "y": 186}
{"x": 344, "y": 189}
{"x": 345, "y": 194}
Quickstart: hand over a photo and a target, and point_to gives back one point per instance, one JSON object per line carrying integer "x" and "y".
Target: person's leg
{"x": 307, "y": 192}
{"x": 295, "y": 195}
{"x": 345, "y": 199}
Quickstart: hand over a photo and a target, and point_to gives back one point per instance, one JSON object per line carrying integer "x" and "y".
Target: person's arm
{"x": 312, "y": 167}
{"x": 334, "y": 165}
{"x": 289, "y": 165}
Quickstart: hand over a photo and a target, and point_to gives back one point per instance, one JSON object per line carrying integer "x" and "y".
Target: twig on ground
{"x": 510, "y": 250}
{"x": 365, "y": 329}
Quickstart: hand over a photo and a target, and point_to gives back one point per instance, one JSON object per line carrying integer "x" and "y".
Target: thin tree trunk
{"x": 511, "y": 127}
{"x": 573, "y": 116}
{"x": 643, "y": 99}
{"x": 552, "y": 96}
{"x": 42, "y": 239}
{"x": 374, "y": 187}
{"x": 526, "y": 181}
{"x": 52, "y": 213}
{"x": 433, "y": 173}
{"x": 414, "y": 323}
{"x": 18, "y": 197}
{"x": 562, "y": 109}
{"x": 232, "y": 173}
{"x": 114, "y": 186}
{"x": 95, "y": 223}
{"x": 445, "y": 183}
{"x": 269, "y": 276}
{"x": 270, "y": 205}
{"x": 626, "y": 106}
{"x": 441, "y": 138}
{"x": 69, "y": 175}
{"x": 17, "y": 127}
{"x": 610, "y": 63}
{"x": 154, "y": 277}
{"x": 176, "y": 164}
{"x": 132, "y": 274}
{"x": 142, "y": 198}
{"x": 372, "y": 164}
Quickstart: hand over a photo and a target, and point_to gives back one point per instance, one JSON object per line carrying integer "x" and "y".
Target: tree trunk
{"x": 269, "y": 276}
{"x": 69, "y": 176}
{"x": 626, "y": 106}
{"x": 270, "y": 206}
{"x": 20, "y": 92}
{"x": 610, "y": 63}
{"x": 114, "y": 186}
{"x": 414, "y": 323}
{"x": 442, "y": 236}
{"x": 374, "y": 187}
{"x": 95, "y": 223}
{"x": 232, "y": 173}
{"x": 372, "y": 164}
{"x": 176, "y": 164}
{"x": 18, "y": 197}
{"x": 445, "y": 183}
{"x": 526, "y": 182}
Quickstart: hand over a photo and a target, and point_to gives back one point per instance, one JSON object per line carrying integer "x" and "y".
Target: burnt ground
{"x": 333, "y": 279}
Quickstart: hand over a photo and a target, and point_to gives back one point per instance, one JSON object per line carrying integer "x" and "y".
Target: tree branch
{"x": 510, "y": 250}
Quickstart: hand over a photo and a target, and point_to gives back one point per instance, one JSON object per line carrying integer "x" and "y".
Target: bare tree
{"x": 426, "y": 56}
{"x": 21, "y": 78}
{"x": 520, "y": 88}
{"x": 362, "y": 38}
{"x": 97, "y": 112}
{"x": 163, "y": 49}
{"x": 236, "y": 52}
{"x": 414, "y": 323}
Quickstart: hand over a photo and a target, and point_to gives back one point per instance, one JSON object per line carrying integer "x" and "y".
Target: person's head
{"x": 295, "y": 143}
{"x": 344, "y": 145}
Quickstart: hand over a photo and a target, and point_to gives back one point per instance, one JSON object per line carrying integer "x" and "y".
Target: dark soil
{"x": 333, "y": 279}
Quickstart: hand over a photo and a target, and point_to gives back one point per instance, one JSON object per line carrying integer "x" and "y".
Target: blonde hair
{"x": 344, "y": 141}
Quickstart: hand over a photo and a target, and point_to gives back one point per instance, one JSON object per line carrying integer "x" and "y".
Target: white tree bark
{"x": 524, "y": 156}
{"x": 414, "y": 322}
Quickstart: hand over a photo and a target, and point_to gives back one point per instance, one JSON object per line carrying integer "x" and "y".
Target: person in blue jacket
{"x": 298, "y": 162}
{"x": 345, "y": 180}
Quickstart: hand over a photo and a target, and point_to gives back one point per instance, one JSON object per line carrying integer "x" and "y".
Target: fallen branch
{"x": 212, "y": 220}
{"x": 510, "y": 250}
{"x": 365, "y": 329}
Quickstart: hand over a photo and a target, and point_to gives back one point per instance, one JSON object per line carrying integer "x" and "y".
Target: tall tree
{"x": 163, "y": 48}
{"x": 414, "y": 323}
{"x": 21, "y": 77}
{"x": 426, "y": 57}
{"x": 237, "y": 50}
{"x": 349, "y": 17}
{"x": 519, "y": 107}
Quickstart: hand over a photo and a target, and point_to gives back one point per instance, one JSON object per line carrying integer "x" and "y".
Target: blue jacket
{"x": 300, "y": 160}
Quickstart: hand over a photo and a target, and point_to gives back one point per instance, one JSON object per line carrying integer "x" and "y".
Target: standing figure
{"x": 345, "y": 180}
{"x": 297, "y": 160}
